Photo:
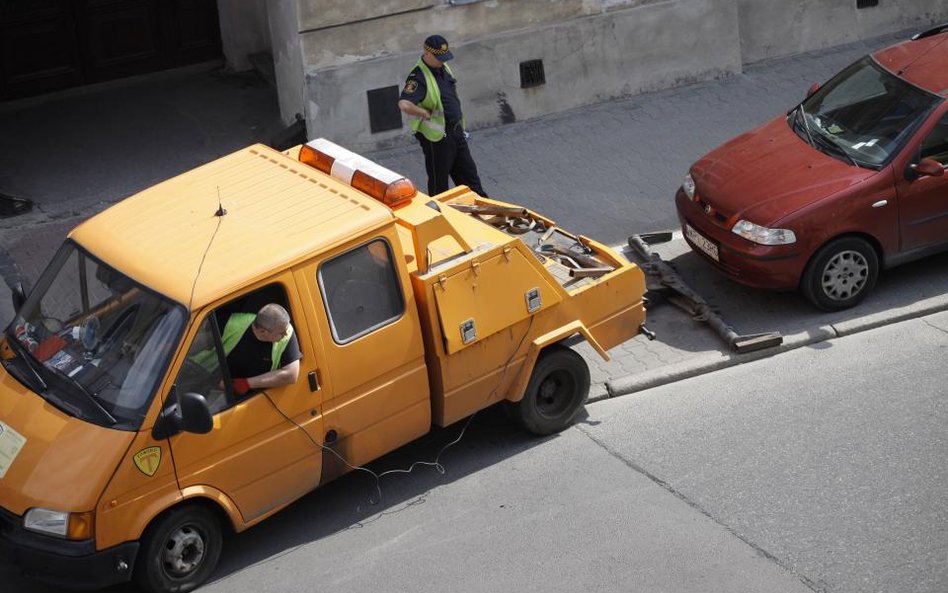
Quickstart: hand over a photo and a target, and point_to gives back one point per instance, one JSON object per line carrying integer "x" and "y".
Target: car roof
{"x": 278, "y": 212}
{"x": 922, "y": 61}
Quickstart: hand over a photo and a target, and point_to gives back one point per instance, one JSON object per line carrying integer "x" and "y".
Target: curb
{"x": 713, "y": 361}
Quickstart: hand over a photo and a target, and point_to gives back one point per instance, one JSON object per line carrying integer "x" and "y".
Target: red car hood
{"x": 768, "y": 173}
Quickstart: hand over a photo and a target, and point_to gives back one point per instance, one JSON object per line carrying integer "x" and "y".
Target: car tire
{"x": 179, "y": 550}
{"x": 557, "y": 390}
{"x": 840, "y": 274}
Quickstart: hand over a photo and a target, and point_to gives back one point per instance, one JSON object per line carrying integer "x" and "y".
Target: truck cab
{"x": 125, "y": 451}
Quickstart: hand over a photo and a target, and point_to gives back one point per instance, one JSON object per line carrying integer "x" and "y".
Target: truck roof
{"x": 278, "y": 211}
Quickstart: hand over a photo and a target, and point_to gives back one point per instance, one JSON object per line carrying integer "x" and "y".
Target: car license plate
{"x": 702, "y": 242}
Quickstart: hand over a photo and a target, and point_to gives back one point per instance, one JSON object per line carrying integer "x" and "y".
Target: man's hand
{"x": 241, "y": 387}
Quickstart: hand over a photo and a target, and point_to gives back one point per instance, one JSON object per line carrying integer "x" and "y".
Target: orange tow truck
{"x": 124, "y": 452}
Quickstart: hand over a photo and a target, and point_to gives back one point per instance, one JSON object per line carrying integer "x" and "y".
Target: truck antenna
{"x": 220, "y": 207}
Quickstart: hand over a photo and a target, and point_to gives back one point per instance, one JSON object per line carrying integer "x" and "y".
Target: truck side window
{"x": 361, "y": 290}
{"x": 201, "y": 371}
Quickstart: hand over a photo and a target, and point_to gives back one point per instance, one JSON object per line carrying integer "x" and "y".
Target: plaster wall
{"x": 774, "y": 28}
{"x": 406, "y": 23}
{"x": 244, "y": 31}
{"x": 588, "y": 58}
{"x": 287, "y": 59}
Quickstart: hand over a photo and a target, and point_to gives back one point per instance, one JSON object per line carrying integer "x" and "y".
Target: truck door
{"x": 257, "y": 452}
{"x": 923, "y": 202}
{"x": 360, "y": 302}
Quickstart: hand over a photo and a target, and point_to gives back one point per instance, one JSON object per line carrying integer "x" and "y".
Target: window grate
{"x": 384, "y": 113}
{"x": 532, "y": 74}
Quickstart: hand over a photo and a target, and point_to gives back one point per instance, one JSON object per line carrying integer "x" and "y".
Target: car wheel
{"x": 557, "y": 390}
{"x": 841, "y": 274}
{"x": 179, "y": 551}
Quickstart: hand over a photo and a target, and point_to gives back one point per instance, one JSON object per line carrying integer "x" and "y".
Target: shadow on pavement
{"x": 347, "y": 503}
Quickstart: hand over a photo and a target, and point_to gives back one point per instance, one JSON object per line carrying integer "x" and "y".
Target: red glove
{"x": 241, "y": 386}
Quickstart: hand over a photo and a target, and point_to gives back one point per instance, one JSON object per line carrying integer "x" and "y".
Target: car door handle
{"x": 313, "y": 381}
{"x": 880, "y": 203}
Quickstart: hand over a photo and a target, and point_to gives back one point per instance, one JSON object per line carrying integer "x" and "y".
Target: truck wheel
{"x": 557, "y": 390}
{"x": 179, "y": 551}
{"x": 841, "y": 274}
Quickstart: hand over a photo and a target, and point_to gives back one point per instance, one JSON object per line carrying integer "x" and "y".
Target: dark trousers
{"x": 450, "y": 156}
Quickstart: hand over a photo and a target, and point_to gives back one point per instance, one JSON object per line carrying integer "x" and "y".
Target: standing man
{"x": 430, "y": 99}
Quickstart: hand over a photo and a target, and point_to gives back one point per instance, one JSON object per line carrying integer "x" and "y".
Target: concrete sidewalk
{"x": 607, "y": 171}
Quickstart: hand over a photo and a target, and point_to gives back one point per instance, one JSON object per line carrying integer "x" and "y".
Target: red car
{"x": 850, "y": 181}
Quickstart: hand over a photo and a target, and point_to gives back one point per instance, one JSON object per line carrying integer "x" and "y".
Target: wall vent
{"x": 384, "y": 113}
{"x": 531, "y": 74}
{"x": 866, "y": 3}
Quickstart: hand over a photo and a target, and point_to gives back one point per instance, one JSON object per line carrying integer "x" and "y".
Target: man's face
{"x": 268, "y": 334}
{"x": 432, "y": 60}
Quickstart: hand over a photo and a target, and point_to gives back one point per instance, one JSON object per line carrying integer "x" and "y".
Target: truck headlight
{"x": 688, "y": 185}
{"x": 763, "y": 235}
{"x": 60, "y": 523}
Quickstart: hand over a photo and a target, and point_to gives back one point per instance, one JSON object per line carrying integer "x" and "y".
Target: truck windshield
{"x": 863, "y": 115}
{"x": 92, "y": 341}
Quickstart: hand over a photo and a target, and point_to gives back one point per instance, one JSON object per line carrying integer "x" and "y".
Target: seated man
{"x": 266, "y": 356}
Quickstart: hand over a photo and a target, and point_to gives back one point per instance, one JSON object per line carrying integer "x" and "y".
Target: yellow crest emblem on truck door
{"x": 147, "y": 460}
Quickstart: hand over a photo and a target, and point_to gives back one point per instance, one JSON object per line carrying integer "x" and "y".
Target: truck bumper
{"x": 64, "y": 563}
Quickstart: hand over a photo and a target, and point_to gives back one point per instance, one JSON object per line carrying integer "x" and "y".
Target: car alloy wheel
{"x": 840, "y": 274}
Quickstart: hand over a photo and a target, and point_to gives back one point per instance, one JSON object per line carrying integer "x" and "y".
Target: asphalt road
{"x": 830, "y": 460}
{"x": 799, "y": 473}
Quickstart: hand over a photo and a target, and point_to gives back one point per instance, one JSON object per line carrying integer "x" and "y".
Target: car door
{"x": 362, "y": 308}
{"x": 923, "y": 200}
{"x": 259, "y": 452}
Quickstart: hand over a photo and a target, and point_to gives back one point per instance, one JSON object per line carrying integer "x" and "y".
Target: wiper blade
{"x": 27, "y": 358}
{"x": 90, "y": 396}
{"x": 831, "y": 143}
{"x": 801, "y": 115}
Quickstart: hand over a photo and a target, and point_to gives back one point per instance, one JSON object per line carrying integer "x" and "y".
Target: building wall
{"x": 329, "y": 53}
{"x": 774, "y": 28}
{"x": 245, "y": 31}
{"x": 589, "y": 56}
{"x": 288, "y": 63}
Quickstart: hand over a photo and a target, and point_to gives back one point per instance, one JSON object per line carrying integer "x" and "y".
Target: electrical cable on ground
{"x": 436, "y": 464}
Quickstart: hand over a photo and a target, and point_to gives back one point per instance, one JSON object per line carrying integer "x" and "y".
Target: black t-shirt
{"x": 415, "y": 90}
{"x": 252, "y": 357}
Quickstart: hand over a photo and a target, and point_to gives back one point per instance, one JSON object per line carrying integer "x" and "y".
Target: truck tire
{"x": 841, "y": 274}
{"x": 557, "y": 390}
{"x": 179, "y": 550}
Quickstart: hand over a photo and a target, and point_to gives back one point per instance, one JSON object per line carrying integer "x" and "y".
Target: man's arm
{"x": 286, "y": 375}
{"x": 412, "y": 110}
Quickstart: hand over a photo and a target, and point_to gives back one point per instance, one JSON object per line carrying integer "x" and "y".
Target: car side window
{"x": 361, "y": 290}
{"x": 935, "y": 144}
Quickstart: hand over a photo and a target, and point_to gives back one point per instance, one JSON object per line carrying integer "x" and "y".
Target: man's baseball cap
{"x": 438, "y": 45}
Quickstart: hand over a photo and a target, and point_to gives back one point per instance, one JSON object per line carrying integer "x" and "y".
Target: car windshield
{"x": 92, "y": 341}
{"x": 863, "y": 115}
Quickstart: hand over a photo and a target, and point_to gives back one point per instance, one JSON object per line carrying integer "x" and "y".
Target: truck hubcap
{"x": 845, "y": 275}
{"x": 184, "y": 551}
{"x": 555, "y": 393}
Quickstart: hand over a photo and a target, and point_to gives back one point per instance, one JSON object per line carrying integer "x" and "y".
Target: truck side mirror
{"x": 813, "y": 88}
{"x": 929, "y": 167}
{"x": 190, "y": 414}
{"x": 18, "y": 294}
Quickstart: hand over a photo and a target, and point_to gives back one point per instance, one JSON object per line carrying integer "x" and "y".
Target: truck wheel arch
{"x": 519, "y": 386}
{"x": 223, "y": 506}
